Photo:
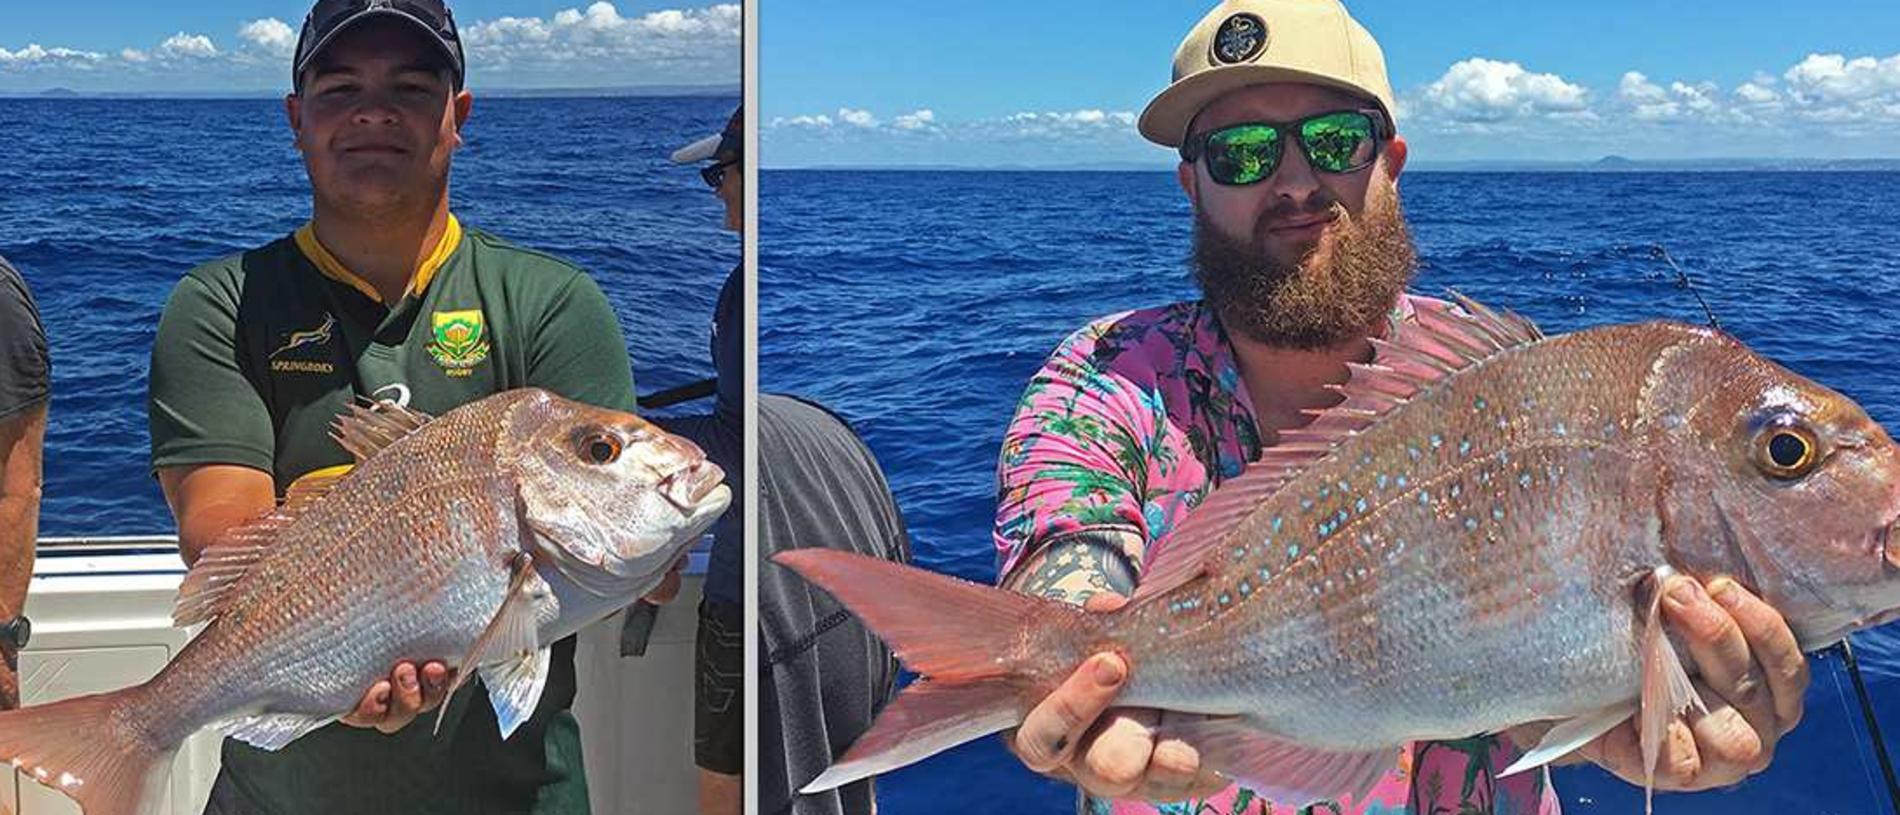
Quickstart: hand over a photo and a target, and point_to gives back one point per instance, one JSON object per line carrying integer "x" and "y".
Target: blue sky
{"x": 1046, "y": 82}
{"x": 225, "y": 45}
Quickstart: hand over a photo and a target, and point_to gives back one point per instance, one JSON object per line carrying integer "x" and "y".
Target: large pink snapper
{"x": 479, "y": 538}
{"x": 1468, "y": 542}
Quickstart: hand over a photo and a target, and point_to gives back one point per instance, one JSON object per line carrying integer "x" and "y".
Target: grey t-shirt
{"x": 824, "y": 677}
{"x": 25, "y": 372}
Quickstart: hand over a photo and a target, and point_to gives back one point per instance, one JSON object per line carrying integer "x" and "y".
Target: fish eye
{"x": 1787, "y": 452}
{"x": 600, "y": 448}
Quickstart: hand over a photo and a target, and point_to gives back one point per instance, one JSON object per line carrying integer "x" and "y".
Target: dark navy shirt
{"x": 721, "y": 434}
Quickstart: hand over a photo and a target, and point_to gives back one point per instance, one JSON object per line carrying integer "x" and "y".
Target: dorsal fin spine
{"x": 1440, "y": 342}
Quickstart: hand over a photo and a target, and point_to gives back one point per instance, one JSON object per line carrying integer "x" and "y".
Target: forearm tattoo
{"x": 1078, "y": 567}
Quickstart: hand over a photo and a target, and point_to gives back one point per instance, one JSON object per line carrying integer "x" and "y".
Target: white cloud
{"x": 1056, "y": 123}
{"x": 270, "y": 35}
{"x": 857, "y": 118}
{"x": 1680, "y": 101}
{"x": 916, "y": 120}
{"x": 819, "y": 121}
{"x": 1480, "y": 90}
{"x": 1834, "y": 88}
{"x": 1757, "y": 94}
{"x": 36, "y": 55}
{"x": 134, "y": 55}
{"x": 600, "y": 31}
{"x": 187, "y": 46}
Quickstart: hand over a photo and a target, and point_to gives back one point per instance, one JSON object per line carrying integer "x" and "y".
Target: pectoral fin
{"x": 514, "y": 687}
{"x": 1278, "y": 769}
{"x": 1667, "y": 691}
{"x": 511, "y": 636}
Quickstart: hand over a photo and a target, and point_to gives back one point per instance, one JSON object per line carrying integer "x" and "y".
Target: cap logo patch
{"x": 1240, "y": 38}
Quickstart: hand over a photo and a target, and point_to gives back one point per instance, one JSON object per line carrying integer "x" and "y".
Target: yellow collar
{"x": 332, "y": 268}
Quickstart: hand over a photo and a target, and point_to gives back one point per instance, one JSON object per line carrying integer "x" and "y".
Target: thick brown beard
{"x": 1308, "y": 306}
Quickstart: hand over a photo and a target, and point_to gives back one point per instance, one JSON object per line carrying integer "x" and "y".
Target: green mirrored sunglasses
{"x": 1341, "y": 141}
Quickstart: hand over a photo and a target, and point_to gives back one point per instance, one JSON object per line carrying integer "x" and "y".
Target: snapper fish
{"x": 515, "y": 521}
{"x": 1469, "y": 541}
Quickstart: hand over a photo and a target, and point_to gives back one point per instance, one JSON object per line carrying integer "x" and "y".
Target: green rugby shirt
{"x": 256, "y": 353}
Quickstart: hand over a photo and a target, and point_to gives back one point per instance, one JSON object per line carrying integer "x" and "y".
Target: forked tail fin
{"x": 78, "y": 747}
{"x": 980, "y": 649}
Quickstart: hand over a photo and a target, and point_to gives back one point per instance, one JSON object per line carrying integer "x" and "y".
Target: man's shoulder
{"x": 228, "y": 275}
{"x": 516, "y": 262}
{"x": 14, "y": 295}
{"x": 1108, "y": 338}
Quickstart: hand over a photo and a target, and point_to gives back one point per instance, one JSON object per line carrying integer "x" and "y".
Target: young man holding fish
{"x": 25, "y": 388}
{"x": 383, "y": 295}
{"x": 1283, "y": 115}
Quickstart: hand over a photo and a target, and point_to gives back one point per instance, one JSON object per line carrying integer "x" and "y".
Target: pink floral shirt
{"x": 1128, "y": 426}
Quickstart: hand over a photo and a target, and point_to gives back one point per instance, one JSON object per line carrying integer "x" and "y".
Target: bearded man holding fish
{"x": 1283, "y": 116}
{"x": 383, "y": 295}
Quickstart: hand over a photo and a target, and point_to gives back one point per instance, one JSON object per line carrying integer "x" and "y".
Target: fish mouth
{"x": 1884, "y": 539}
{"x": 686, "y": 488}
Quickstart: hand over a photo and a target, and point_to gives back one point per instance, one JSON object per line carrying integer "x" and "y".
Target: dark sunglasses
{"x": 1341, "y": 141}
{"x": 715, "y": 175}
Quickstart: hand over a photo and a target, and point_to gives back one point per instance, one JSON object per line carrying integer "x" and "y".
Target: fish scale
{"x": 413, "y": 555}
{"x": 1469, "y": 541}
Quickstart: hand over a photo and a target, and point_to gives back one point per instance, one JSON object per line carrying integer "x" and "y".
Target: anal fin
{"x": 1279, "y": 769}
{"x": 1569, "y": 735}
{"x": 272, "y": 731}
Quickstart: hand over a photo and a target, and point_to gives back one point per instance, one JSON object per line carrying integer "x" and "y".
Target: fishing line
{"x": 1682, "y": 280}
{"x": 1873, "y": 727}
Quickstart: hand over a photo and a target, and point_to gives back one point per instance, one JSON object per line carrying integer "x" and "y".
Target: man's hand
{"x": 1110, "y": 752}
{"x": 1749, "y": 672}
{"x": 669, "y": 587}
{"x": 393, "y": 703}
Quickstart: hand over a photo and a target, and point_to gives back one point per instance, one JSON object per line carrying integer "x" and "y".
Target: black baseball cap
{"x": 329, "y": 18}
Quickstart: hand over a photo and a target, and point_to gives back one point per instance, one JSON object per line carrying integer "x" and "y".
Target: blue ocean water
{"x": 918, "y": 304}
{"x": 105, "y": 204}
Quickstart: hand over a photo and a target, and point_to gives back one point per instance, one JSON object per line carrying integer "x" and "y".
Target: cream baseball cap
{"x": 1251, "y": 42}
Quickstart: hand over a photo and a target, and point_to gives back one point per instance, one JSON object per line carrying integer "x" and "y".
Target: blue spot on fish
{"x": 1276, "y": 523}
{"x": 1245, "y": 588}
{"x": 1561, "y": 430}
{"x": 1437, "y": 441}
{"x": 1524, "y": 480}
{"x": 1359, "y": 506}
{"x": 1424, "y": 497}
{"x": 1382, "y": 481}
{"x": 1464, "y": 447}
{"x": 1413, "y": 452}
{"x": 1479, "y": 404}
{"x": 1306, "y": 503}
{"x": 1457, "y": 490}
{"x": 1402, "y": 481}
{"x": 1497, "y": 513}
{"x": 1224, "y": 599}
{"x": 1292, "y": 550}
{"x": 1471, "y": 523}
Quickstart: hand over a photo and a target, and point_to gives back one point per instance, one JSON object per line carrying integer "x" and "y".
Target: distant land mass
{"x": 1607, "y": 164}
{"x": 731, "y": 90}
